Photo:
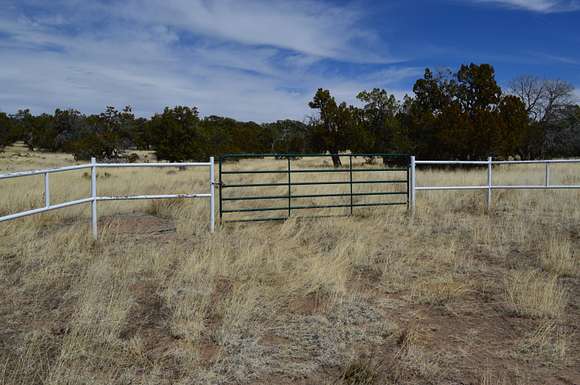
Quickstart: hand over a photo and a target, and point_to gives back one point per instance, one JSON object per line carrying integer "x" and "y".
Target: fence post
{"x": 489, "y": 182}
{"x": 220, "y": 184}
{"x": 350, "y": 165}
{"x": 211, "y": 195}
{"x": 547, "y": 174}
{"x": 289, "y": 189}
{"x": 94, "y": 197}
{"x": 46, "y": 190}
{"x": 413, "y": 183}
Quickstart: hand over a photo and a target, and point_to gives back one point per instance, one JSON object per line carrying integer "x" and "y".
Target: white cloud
{"x": 309, "y": 27}
{"x": 542, "y": 6}
{"x": 258, "y": 61}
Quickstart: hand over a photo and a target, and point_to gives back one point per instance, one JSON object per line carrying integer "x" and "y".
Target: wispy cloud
{"x": 309, "y": 27}
{"x": 542, "y": 6}
{"x": 257, "y": 60}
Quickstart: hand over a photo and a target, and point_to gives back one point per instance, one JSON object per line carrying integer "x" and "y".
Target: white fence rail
{"x": 94, "y": 198}
{"x": 489, "y": 186}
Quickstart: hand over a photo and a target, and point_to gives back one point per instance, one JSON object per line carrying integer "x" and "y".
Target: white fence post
{"x": 211, "y": 195}
{"x": 94, "y": 197}
{"x": 489, "y": 182}
{"x": 547, "y": 181}
{"x": 46, "y": 190}
{"x": 413, "y": 184}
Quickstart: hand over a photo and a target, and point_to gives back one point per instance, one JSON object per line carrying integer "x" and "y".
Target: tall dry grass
{"x": 327, "y": 300}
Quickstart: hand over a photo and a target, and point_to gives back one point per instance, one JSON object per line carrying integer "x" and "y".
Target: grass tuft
{"x": 531, "y": 294}
{"x": 557, "y": 257}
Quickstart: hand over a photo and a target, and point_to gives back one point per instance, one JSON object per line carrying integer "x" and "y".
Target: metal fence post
{"x": 212, "y": 195}
{"x": 489, "y": 182}
{"x": 413, "y": 184}
{"x": 220, "y": 184}
{"x": 94, "y": 197}
{"x": 350, "y": 165}
{"x": 289, "y": 189}
{"x": 547, "y": 181}
{"x": 46, "y": 190}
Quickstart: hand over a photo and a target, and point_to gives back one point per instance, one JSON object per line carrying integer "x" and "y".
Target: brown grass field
{"x": 453, "y": 295}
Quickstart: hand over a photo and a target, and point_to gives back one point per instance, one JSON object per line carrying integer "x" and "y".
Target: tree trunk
{"x": 336, "y": 159}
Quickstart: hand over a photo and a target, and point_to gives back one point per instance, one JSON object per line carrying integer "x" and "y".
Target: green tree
{"x": 517, "y": 135}
{"x": 49, "y": 132}
{"x": 288, "y": 136}
{"x": 475, "y": 88}
{"x": 562, "y": 132}
{"x": 175, "y": 134}
{"x": 6, "y": 130}
{"x": 380, "y": 127}
{"x": 23, "y": 124}
{"x": 117, "y": 127}
{"x": 332, "y": 130}
{"x": 464, "y": 115}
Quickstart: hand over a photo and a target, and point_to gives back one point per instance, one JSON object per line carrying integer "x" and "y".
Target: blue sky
{"x": 263, "y": 59}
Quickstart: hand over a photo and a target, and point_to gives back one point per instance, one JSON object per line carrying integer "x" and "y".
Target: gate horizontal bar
{"x": 285, "y": 218}
{"x": 237, "y": 172}
{"x": 316, "y": 155}
{"x": 247, "y": 210}
{"x": 347, "y": 170}
{"x": 256, "y": 220}
{"x": 314, "y": 183}
{"x": 252, "y": 198}
{"x": 348, "y": 205}
{"x": 256, "y": 172}
{"x": 314, "y": 195}
{"x": 256, "y": 209}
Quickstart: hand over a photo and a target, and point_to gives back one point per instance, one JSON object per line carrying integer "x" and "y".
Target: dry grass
{"x": 375, "y": 298}
{"x": 439, "y": 290}
{"x": 530, "y": 294}
{"x": 549, "y": 342}
{"x": 558, "y": 257}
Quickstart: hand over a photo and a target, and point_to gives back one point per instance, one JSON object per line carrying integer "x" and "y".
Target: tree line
{"x": 452, "y": 115}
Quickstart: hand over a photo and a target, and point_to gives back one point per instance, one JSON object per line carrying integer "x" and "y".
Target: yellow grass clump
{"x": 531, "y": 294}
{"x": 558, "y": 257}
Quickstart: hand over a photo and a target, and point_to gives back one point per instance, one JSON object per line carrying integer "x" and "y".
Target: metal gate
{"x": 285, "y": 185}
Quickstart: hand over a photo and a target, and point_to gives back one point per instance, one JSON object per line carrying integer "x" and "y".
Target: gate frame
{"x": 289, "y": 171}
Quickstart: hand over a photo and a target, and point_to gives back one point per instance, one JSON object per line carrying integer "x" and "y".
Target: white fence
{"x": 489, "y": 187}
{"x": 93, "y": 199}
